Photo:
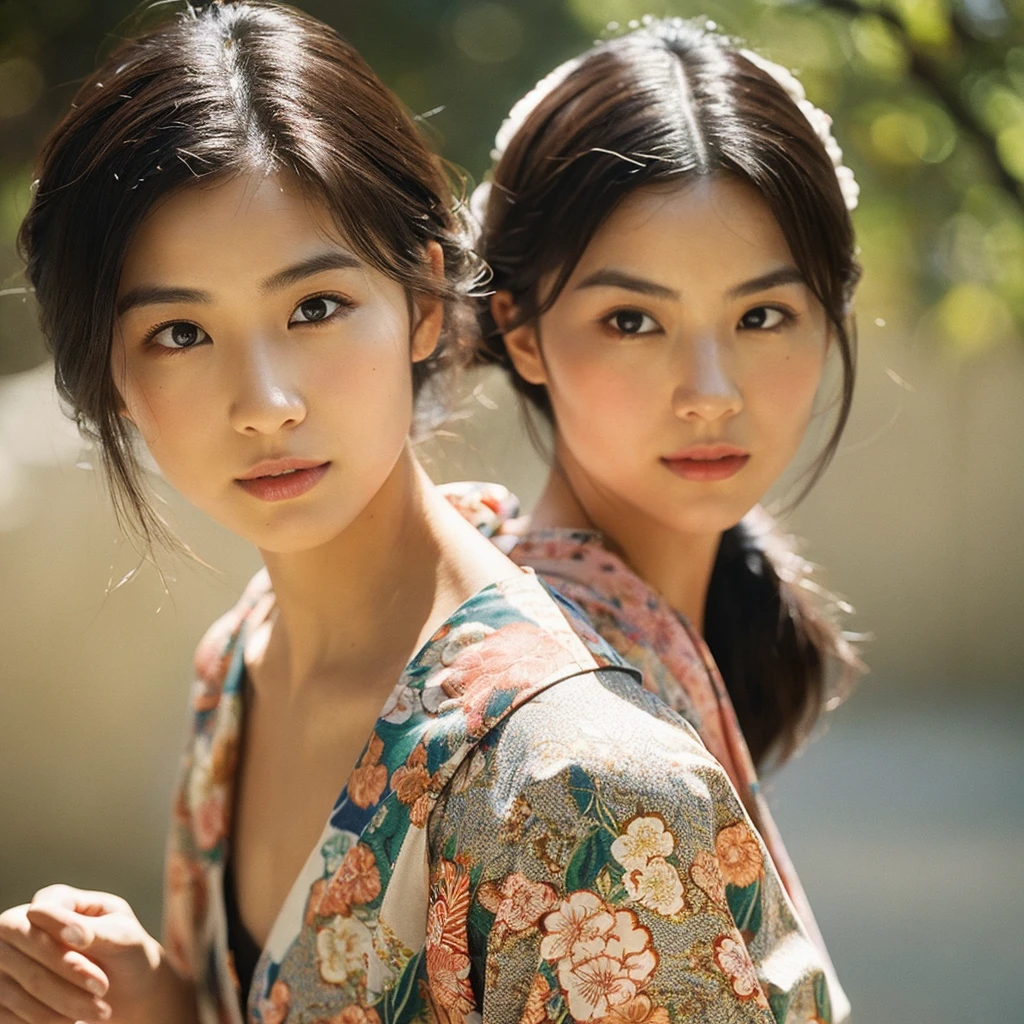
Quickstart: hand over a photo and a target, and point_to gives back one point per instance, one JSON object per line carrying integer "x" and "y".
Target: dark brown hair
{"x": 666, "y": 103}
{"x": 226, "y": 89}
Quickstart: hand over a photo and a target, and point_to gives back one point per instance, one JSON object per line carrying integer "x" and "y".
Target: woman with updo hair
{"x": 667, "y": 223}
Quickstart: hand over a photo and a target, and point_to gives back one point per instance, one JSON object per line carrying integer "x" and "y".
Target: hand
{"x": 72, "y": 955}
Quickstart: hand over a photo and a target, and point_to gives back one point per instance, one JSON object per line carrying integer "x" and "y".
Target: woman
{"x": 391, "y": 808}
{"x": 673, "y": 259}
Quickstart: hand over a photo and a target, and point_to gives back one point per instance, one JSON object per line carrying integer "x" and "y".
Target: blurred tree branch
{"x": 927, "y": 70}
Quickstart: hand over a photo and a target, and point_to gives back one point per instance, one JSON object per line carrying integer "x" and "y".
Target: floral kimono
{"x": 528, "y": 836}
{"x": 653, "y": 637}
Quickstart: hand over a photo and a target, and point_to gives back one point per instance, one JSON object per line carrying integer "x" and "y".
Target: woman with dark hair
{"x": 245, "y": 256}
{"x": 667, "y": 220}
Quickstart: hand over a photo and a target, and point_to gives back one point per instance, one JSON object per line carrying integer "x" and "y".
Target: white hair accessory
{"x": 819, "y": 121}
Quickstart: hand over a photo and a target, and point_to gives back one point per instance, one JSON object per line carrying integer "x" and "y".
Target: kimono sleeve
{"x": 612, "y": 875}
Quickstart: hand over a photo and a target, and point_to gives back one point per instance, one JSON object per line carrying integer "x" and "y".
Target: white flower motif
{"x": 656, "y": 886}
{"x": 400, "y": 705}
{"x": 818, "y": 120}
{"x": 643, "y": 839}
{"x": 528, "y": 104}
{"x": 343, "y": 949}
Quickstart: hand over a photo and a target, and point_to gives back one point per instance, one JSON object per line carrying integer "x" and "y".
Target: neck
{"x": 677, "y": 565}
{"x": 364, "y": 603}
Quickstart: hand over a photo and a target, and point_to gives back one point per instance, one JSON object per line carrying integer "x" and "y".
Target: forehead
{"x": 244, "y": 225}
{"x": 712, "y": 224}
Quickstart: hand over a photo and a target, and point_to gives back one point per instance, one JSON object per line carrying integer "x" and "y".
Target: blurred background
{"x": 906, "y": 818}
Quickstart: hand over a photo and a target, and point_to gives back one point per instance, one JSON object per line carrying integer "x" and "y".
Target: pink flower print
{"x": 512, "y": 658}
{"x": 707, "y": 875}
{"x": 448, "y": 972}
{"x": 734, "y": 961}
{"x": 579, "y": 923}
{"x": 523, "y": 902}
{"x": 739, "y": 854}
{"x": 210, "y": 821}
{"x": 274, "y": 1009}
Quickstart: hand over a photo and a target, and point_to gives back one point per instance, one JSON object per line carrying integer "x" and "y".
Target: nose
{"x": 265, "y": 397}
{"x": 706, "y": 388}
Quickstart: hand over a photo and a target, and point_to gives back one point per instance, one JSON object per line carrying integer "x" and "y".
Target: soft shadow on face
{"x": 685, "y": 330}
{"x": 250, "y": 332}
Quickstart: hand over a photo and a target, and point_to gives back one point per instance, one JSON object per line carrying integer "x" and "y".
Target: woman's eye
{"x": 632, "y": 321}
{"x": 763, "y": 318}
{"x": 312, "y": 310}
{"x": 180, "y": 335}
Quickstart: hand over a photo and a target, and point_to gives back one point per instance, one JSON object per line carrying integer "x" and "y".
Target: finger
{"x": 49, "y": 989}
{"x": 82, "y": 901}
{"x": 23, "y": 937}
{"x": 23, "y": 1008}
{"x": 61, "y": 924}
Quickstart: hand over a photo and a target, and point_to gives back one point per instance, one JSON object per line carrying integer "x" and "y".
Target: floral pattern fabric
{"x": 652, "y": 636}
{"x": 528, "y": 836}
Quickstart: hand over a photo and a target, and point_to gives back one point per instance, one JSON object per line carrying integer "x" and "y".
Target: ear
{"x": 428, "y": 310}
{"x": 522, "y": 342}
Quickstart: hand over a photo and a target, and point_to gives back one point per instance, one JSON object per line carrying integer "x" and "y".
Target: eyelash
{"x": 789, "y": 317}
{"x": 344, "y": 306}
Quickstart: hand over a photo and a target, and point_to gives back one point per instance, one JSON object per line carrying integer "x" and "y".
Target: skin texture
{"x": 365, "y": 565}
{"x": 635, "y": 377}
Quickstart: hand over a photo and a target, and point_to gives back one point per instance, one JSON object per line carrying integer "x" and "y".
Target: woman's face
{"x": 266, "y": 366}
{"x": 682, "y": 359}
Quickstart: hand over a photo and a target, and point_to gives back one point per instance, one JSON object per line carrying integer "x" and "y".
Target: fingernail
{"x": 104, "y": 1010}
{"x": 95, "y": 986}
{"x": 73, "y": 935}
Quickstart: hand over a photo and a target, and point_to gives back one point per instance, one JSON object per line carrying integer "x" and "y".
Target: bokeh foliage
{"x": 927, "y": 96}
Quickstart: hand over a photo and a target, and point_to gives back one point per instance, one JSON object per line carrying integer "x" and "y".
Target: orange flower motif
{"x": 369, "y": 777}
{"x": 638, "y": 1011}
{"x": 448, "y": 973}
{"x": 449, "y": 908}
{"x": 420, "y": 811}
{"x": 357, "y": 880}
{"x": 739, "y": 854}
{"x": 316, "y": 895}
{"x": 412, "y": 779}
{"x": 535, "y": 1010}
{"x": 734, "y": 961}
{"x": 274, "y": 1009}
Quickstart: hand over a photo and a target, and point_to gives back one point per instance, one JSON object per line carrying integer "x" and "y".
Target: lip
{"x": 707, "y": 462}
{"x": 281, "y": 479}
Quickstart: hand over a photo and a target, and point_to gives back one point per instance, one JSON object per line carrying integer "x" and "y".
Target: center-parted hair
{"x": 228, "y": 88}
{"x": 669, "y": 103}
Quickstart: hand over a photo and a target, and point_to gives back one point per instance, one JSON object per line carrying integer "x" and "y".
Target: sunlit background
{"x": 906, "y": 818}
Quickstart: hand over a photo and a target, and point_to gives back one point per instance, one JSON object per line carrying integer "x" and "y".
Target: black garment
{"x": 243, "y": 946}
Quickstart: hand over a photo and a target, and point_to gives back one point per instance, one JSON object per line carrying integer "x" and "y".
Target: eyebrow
{"x": 152, "y": 295}
{"x": 610, "y": 278}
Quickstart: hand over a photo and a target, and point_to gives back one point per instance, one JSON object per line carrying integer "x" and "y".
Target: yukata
{"x": 528, "y": 836}
{"x": 672, "y": 657}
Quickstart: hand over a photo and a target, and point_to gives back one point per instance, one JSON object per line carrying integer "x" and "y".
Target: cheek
{"x": 784, "y": 389}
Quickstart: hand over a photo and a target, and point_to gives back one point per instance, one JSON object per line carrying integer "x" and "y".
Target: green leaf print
{"x": 334, "y": 850}
{"x": 402, "y": 1002}
{"x": 588, "y": 859}
{"x": 821, "y": 997}
{"x": 745, "y": 905}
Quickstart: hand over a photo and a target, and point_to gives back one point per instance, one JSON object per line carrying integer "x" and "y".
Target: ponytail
{"x": 775, "y": 638}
